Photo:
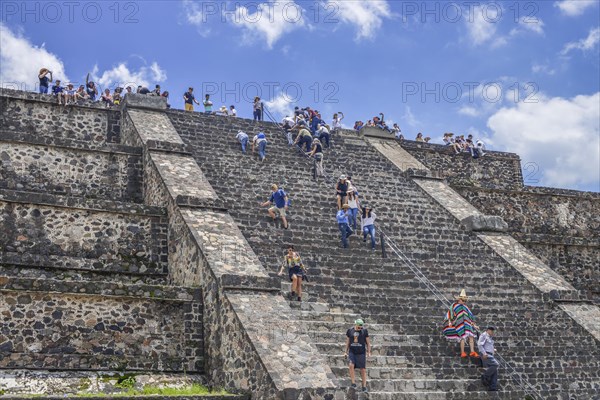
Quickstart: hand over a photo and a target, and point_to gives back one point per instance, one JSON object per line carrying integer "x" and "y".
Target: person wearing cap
{"x": 460, "y": 326}
{"x": 45, "y": 77}
{"x": 57, "y": 91}
{"x": 341, "y": 189}
{"x": 317, "y": 154}
{"x": 289, "y": 125}
{"x": 260, "y": 142}
{"x": 70, "y": 94}
{"x": 279, "y": 202}
{"x": 296, "y": 272}
{"x": 485, "y": 344}
{"x": 242, "y": 137}
{"x": 358, "y": 348}
{"x": 345, "y": 230}
{"x": 304, "y": 137}
{"x": 367, "y": 224}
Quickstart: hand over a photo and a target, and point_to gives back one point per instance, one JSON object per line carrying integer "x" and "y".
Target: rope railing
{"x": 515, "y": 376}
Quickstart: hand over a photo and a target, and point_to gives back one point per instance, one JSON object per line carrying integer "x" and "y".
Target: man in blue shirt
{"x": 189, "y": 100}
{"x": 342, "y": 219}
{"x": 485, "y": 344}
{"x": 279, "y": 202}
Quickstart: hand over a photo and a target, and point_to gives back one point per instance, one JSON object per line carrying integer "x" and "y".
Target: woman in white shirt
{"x": 368, "y": 225}
{"x": 353, "y": 203}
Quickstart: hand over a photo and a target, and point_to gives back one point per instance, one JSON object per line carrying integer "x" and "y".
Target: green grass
{"x": 193, "y": 390}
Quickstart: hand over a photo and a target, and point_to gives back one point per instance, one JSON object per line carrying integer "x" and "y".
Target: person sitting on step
{"x": 296, "y": 272}
{"x": 460, "y": 326}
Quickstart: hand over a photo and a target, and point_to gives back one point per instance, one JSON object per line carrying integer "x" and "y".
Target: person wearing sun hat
{"x": 358, "y": 348}
{"x": 460, "y": 326}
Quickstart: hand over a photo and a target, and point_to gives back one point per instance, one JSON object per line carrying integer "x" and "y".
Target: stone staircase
{"x": 84, "y": 295}
{"x": 411, "y": 360}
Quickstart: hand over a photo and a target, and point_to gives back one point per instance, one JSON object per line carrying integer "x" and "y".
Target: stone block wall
{"x": 85, "y": 172}
{"x": 63, "y": 229}
{"x": 494, "y": 170}
{"x": 52, "y": 325}
{"x": 561, "y": 227}
{"x": 207, "y": 249}
{"x": 38, "y": 114}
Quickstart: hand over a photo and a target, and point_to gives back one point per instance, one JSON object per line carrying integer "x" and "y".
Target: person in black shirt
{"x": 341, "y": 189}
{"x": 358, "y": 348}
{"x": 317, "y": 153}
{"x": 189, "y": 100}
{"x": 45, "y": 77}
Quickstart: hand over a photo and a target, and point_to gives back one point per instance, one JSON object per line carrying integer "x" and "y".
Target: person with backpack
{"x": 358, "y": 348}
{"x": 278, "y": 200}
{"x": 317, "y": 154}
{"x": 260, "y": 142}
{"x": 296, "y": 272}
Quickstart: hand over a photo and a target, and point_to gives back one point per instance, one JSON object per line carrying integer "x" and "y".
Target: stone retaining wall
{"x": 58, "y": 327}
{"x": 561, "y": 227}
{"x": 86, "y": 173}
{"x": 34, "y": 113}
{"x": 206, "y": 248}
{"x": 55, "y": 230}
{"x": 494, "y": 170}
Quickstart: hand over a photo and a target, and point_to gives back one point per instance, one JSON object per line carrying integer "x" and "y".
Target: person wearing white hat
{"x": 341, "y": 189}
{"x": 459, "y": 324}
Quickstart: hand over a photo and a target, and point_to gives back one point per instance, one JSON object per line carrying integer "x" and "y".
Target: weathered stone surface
{"x": 39, "y": 114}
{"x": 488, "y": 223}
{"x": 396, "y": 154}
{"x": 154, "y": 126}
{"x": 531, "y": 267}
{"x": 69, "y": 171}
{"x": 494, "y": 170}
{"x": 59, "y": 329}
{"x": 448, "y": 198}
{"x": 587, "y": 315}
{"x": 145, "y": 101}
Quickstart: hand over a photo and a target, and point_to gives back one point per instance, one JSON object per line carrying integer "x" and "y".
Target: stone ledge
{"x": 254, "y": 283}
{"x": 542, "y": 238}
{"x": 78, "y": 263}
{"x": 167, "y": 147}
{"x": 50, "y": 99}
{"x": 95, "y": 288}
{"x": 194, "y": 202}
{"x": 567, "y": 296}
{"x": 484, "y": 223}
{"x": 144, "y": 101}
{"x": 370, "y": 131}
{"x": 423, "y": 174}
{"x": 440, "y": 148}
{"x": 71, "y": 144}
{"x": 536, "y": 191}
{"x": 107, "y": 206}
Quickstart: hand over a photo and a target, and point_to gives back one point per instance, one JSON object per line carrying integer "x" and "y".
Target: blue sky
{"x": 524, "y": 76}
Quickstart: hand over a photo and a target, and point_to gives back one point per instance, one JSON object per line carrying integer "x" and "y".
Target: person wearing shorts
{"x": 279, "y": 204}
{"x": 358, "y": 348}
{"x": 296, "y": 272}
{"x": 341, "y": 191}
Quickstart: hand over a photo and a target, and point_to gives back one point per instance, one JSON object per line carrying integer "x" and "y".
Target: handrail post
{"x": 383, "y": 252}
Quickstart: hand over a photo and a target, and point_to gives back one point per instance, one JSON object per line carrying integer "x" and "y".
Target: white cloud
{"x": 280, "y": 106}
{"x": 366, "y": 16}
{"x": 528, "y": 24}
{"x": 198, "y": 17}
{"x": 542, "y": 69}
{"x": 121, "y": 75}
{"x": 410, "y": 118}
{"x": 21, "y": 61}
{"x": 270, "y": 21}
{"x": 585, "y": 44}
{"x": 469, "y": 111}
{"x": 561, "y": 136}
{"x": 573, "y": 8}
{"x": 482, "y": 28}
